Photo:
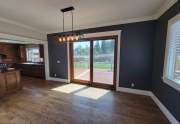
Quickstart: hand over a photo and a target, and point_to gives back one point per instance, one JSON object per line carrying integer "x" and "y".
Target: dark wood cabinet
{"x": 10, "y": 81}
{"x": 32, "y": 69}
{"x": 22, "y": 53}
{"x": 2, "y": 85}
{"x": 41, "y": 50}
{"x": 10, "y": 51}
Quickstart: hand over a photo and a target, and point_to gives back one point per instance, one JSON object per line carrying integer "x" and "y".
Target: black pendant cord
{"x": 63, "y": 22}
{"x": 72, "y": 21}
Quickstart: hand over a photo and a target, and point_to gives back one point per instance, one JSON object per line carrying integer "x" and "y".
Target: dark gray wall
{"x": 142, "y": 48}
{"x": 57, "y": 52}
{"x": 135, "y": 59}
{"x": 166, "y": 94}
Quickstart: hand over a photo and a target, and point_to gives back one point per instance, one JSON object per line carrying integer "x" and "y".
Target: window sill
{"x": 173, "y": 83}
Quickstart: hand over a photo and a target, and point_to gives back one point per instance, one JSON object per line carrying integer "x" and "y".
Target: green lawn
{"x": 96, "y": 65}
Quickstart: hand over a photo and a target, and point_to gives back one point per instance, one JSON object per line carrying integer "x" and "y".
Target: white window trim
{"x": 171, "y": 83}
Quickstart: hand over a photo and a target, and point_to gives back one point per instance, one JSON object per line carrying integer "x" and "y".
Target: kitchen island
{"x": 10, "y": 81}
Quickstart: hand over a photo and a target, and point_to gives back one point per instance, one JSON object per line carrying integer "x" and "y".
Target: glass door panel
{"x": 81, "y": 60}
{"x": 103, "y": 61}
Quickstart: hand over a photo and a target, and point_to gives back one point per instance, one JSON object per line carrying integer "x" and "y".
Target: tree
{"x": 97, "y": 47}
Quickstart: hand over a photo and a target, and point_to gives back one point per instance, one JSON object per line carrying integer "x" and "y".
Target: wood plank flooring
{"x": 37, "y": 103}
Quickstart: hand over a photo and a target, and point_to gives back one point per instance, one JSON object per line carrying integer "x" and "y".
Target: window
{"x": 172, "y": 58}
{"x": 33, "y": 54}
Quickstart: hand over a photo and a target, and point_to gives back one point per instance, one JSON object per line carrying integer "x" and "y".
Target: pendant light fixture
{"x": 69, "y": 36}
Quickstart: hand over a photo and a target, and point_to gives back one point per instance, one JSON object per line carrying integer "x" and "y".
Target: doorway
{"x": 93, "y": 61}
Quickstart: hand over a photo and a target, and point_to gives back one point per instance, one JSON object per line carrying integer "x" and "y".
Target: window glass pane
{"x": 173, "y": 58}
{"x": 177, "y": 68}
{"x": 33, "y": 54}
{"x": 81, "y": 60}
{"x": 103, "y": 61}
{"x": 177, "y": 51}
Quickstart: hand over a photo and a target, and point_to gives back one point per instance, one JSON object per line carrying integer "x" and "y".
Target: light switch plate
{"x": 58, "y": 61}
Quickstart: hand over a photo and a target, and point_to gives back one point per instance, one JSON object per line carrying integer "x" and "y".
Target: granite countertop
{"x": 8, "y": 70}
{"x": 31, "y": 63}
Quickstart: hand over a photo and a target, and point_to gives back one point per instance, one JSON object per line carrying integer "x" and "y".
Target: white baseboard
{"x": 165, "y": 111}
{"x": 58, "y": 79}
{"x": 133, "y": 91}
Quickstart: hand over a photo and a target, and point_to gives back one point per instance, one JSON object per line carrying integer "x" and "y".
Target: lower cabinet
{"x": 2, "y": 85}
{"x": 10, "y": 82}
{"x": 32, "y": 70}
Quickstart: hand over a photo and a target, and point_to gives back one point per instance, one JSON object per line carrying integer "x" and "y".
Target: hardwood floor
{"x": 37, "y": 103}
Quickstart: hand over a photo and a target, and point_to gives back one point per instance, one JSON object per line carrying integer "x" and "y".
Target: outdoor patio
{"x": 99, "y": 75}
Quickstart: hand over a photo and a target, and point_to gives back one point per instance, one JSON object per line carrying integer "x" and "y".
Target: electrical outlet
{"x": 58, "y": 61}
{"x": 55, "y": 75}
{"x": 132, "y": 84}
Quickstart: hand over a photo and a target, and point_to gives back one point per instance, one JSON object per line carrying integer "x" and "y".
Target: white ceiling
{"x": 45, "y": 15}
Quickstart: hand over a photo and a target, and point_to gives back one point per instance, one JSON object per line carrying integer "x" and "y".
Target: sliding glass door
{"x": 93, "y": 61}
{"x": 81, "y": 61}
{"x": 103, "y": 61}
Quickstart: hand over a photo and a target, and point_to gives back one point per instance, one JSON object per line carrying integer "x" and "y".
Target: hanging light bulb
{"x": 77, "y": 37}
{"x": 72, "y": 38}
{"x": 68, "y": 38}
{"x": 60, "y": 39}
{"x": 64, "y": 39}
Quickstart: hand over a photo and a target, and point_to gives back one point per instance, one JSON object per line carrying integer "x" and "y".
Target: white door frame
{"x": 101, "y": 34}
